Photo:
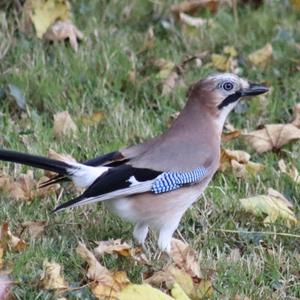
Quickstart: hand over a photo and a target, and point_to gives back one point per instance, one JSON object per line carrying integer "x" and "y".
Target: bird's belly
{"x": 155, "y": 210}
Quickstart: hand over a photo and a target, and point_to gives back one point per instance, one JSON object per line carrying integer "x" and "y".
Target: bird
{"x": 153, "y": 183}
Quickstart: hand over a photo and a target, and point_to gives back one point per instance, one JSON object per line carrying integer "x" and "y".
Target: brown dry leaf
{"x": 228, "y": 136}
{"x": 62, "y": 30}
{"x": 149, "y": 40}
{"x": 93, "y": 119}
{"x": 192, "y": 21}
{"x": 63, "y": 125}
{"x": 296, "y": 120}
{"x": 23, "y": 188}
{"x": 51, "y": 278}
{"x": 274, "y": 205}
{"x": 109, "y": 287}
{"x": 1, "y": 256}
{"x": 261, "y": 57}
{"x": 195, "y": 288}
{"x": 192, "y": 6}
{"x": 175, "y": 76}
{"x": 272, "y": 136}
{"x": 4, "y": 182}
{"x": 44, "y": 13}
{"x": 11, "y": 241}
{"x": 35, "y": 228}
{"x": 58, "y": 156}
{"x": 291, "y": 170}
{"x": 113, "y": 246}
{"x": 239, "y": 162}
{"x": 95, "y": 271}
{"x": 47, "y": 190}
{"x": 295, "y": 4}
{"x": 185, "y": 257}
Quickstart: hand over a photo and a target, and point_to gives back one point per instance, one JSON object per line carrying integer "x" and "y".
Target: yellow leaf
{"x": 261, "y": 57}
{"x": 221, "y": 62}
{"x": 295, "y": 4}
{"x": 63, "y": 125}
{"x": 44, "y": 13}
{"x": 230, "y": 50}
{"x": 272, "y": 136}
{"x": 178, "y": 293}
{"x": 51, "y": 279}
{"x": 203, "y": 290}
{"x": 274, "y": 205}
{"x": 94, "y": 119}
{"x": 142, "y": 291}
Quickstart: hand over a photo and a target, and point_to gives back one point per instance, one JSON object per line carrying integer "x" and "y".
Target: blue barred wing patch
{"x": 169, "y": 181}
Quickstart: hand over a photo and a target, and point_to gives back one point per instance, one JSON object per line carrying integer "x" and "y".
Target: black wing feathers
{"x": 113, "y": 180}
{"x": 118, "y": 178}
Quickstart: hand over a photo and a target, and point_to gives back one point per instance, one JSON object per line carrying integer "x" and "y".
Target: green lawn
{"x": 54, "y": 78}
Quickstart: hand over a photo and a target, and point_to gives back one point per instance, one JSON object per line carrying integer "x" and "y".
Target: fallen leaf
{"x": 51, "y": 278}
{"x": 261, "y": 57}
{"x": 93, "y": 119}
{"x": 192, "y": 21}
{"x": 110, "y": 287}
{"x": 192, "y": 6}
{"x": 143, "y": 291}
{"x": 11, "y": 241}
{"x": 95, "y": 271}
{"x": 239, "y": 162}
{"x": 15, "y": 93}
{"x": 185, "y": 257}
{"x": 178, "y": 293}
{"x": 59, "y": 156}
{"x": 35, "y": 228}
{"x": 296, "y": 120}
{"x": 274, "y": 205}
{"x": 228, "y": 136}
{"x": 227, "y": 61}
{"x": 290, "y": 171}
{"x": 23, "y": 188}
{"x": 1, "y": 257}
{"x": 63, "y": 125}
{"x": 149, "y": 40}
{"x": 272, "y": 137}
{"x": 175, "y": 76}
{"x": 295, "y": 4}
{"x": 113, "y": 246}
{"x": 44, "y": 13}
{"x": 5, "y": 287}
{"x": 62, "y": 30}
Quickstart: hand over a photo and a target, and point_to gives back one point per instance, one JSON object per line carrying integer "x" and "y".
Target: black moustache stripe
{"x": 230, "y": 99}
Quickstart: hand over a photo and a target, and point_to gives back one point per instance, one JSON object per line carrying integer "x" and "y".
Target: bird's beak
{"x": 254, "y": 89}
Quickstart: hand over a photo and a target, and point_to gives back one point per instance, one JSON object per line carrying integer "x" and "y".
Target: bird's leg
{"x": 165, "y": 236}
{"x": 140, "y": 233}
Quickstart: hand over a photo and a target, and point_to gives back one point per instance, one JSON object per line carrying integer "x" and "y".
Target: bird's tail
{"x": 82, "y": 175}
{"x": 36, "y": 161}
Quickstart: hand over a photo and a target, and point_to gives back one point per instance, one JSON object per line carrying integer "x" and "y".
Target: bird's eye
{"x": 228, "y": 86}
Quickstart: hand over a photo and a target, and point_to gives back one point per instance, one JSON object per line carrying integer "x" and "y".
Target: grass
{"x": 53, "y": 78}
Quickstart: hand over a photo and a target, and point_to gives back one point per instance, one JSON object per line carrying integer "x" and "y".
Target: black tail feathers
{"x": 35, "y": 161}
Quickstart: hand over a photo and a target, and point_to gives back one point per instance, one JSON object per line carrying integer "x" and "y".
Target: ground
{"x": 54, "y": 78}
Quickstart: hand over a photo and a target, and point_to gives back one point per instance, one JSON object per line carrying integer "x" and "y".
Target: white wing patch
{"x": 83, "y": 176}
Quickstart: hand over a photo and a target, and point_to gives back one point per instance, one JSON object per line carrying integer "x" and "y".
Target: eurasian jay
{"x": 152, "y": 184}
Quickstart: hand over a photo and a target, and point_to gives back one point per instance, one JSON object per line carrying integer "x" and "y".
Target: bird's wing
{"x": 126, "y": 180}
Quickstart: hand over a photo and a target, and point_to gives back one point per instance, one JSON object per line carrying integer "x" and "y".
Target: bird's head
{"x": 220, "y": 93}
